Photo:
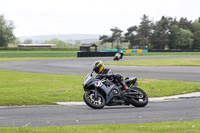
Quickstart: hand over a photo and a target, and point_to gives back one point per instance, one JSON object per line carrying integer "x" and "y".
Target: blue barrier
{"x": 134, "y": 50}
{"x": 145, "y": 50}
{"x": 123, "y": 50}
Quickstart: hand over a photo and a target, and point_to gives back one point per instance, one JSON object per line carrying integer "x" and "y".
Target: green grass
{"x": 11, "y": 55}
{"x": 21, "y": 88}
{"x": 166, "y": 127}
{"x": 22, "y": 54}
{"x": 159, "y": 88}
{"x": 36, "y": 55}
{"x": 34, "y": 58}
{"x": 159, "y": 62}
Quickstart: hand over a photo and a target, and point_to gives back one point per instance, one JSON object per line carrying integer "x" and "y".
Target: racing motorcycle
{"x": 101, "y": 92}
{"x": 117, "y": 57}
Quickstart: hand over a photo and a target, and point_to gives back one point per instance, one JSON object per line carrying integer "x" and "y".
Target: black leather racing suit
{"x": 107, "y": 73}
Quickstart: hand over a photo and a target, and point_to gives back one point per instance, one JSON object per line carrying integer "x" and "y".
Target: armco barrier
{"x": 145, "y": 50}
{"x": 128, "y": 51}
{"x": 139, "y": 50}
{"x": 95, "y": 54}
{"x": 122, "y": 50}
{"x": 134, "y": 50}
{"x": 112, "y": 50}
{"x": 125, "y": 50}
{"x": 101, "y": 50}
{"x": 151, "y": 50}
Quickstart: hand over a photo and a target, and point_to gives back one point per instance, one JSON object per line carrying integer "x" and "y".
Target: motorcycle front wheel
{"x": 90, "y": 100}
{"x": 141, "y": 99}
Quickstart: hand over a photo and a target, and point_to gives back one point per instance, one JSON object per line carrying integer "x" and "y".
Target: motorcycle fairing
{"x": 115, "y": 92}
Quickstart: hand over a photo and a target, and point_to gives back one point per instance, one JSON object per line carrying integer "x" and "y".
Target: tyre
{"x": 92, "y": 102}
{"x": 116, "y": 59}
{"x": 142, "y": 98}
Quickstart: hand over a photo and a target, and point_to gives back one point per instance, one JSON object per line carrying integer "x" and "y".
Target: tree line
{"x": 166, "y": 33}
{"x": 6, "y": 31}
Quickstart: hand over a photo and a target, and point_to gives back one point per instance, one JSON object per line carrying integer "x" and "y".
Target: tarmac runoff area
{"x": 155, "y": 99}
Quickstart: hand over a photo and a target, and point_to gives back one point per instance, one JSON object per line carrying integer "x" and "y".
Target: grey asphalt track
{"x": 58, "y": 115}
{"x": 82, "y": 66}
{"x": 39, "y": 116}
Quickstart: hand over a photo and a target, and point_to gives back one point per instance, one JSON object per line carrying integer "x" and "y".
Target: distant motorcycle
{"x": 109, "y": 92}
{"x": 117, "y": 57}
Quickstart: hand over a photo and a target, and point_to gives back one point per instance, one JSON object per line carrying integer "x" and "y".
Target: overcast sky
{"x": 45, "y": 17}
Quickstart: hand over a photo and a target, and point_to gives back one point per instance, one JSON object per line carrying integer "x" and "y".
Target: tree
{"x": 165, "y": 33}
{"x": 197, "y": 20}
{"x": 184, "y": 39}
{"x": 174, "y": 29}
{"x": 130, "y": 36}
{"x": 6, "y": 31}
{"x": 185, "y": 24}
{"x": 77, "y": 43}
{"x": 116, "y": 36}
{"x": 160, "y": 35}
{"x": 144, "y": 30}
{"x": 14, "y": 43}
{"x": 103, "y": 38}
{"x": 196, "y": 35}
{"x": 28, "y": 41}
{"x": 59, "y": 43}
{"x": 181, "y": 38}
{"x": 173, "y": 21}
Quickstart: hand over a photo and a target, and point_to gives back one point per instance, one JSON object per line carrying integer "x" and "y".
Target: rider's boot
{"x": 125, "y": 88}
{"x": 124, "y": 85}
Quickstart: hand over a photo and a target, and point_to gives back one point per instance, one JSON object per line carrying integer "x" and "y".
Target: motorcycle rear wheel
{"x": 142, "y": 99}
{"x": 92, "y": 102}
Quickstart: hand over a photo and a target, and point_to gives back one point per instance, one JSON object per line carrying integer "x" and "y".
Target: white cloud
{"x": 37, "y": 17}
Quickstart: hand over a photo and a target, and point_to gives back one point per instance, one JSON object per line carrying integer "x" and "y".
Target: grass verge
{"x": 33, "y": 58}
{"x": 169, "y": 127}
{"x": 158, "y": 62}
{"x": 36, "y": 55}
{"x": 11, "y": 55}
{"x": 22, "y": 54}
{"x": 21, "y": 88}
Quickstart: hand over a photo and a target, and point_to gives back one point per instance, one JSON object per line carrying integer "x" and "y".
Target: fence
{"x": 95, "y": 54}
{"x": 124, "y": 50}
{"x": 108, "y": 52}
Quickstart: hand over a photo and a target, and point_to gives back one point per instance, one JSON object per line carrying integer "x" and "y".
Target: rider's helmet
{"x": 98, "y": 66}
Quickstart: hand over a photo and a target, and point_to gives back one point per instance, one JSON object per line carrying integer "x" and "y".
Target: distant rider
{"x": 102, "y": 72}
{"x": 122, "y": 54}
{"x": 118, "y": 56}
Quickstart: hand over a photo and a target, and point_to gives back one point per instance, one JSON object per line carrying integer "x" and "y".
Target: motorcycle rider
{"x": 118, "y": 56}
{"x": 122, "y": 54}
{"x": 102, "y": 72}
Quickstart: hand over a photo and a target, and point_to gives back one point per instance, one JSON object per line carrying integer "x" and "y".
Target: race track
{"x": 82, "y": 66}
{"x": 60, "y": 115}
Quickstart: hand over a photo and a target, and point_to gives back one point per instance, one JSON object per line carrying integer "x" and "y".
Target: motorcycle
{"x": 101, "y": 92}
{"x": 118, "y": 56}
